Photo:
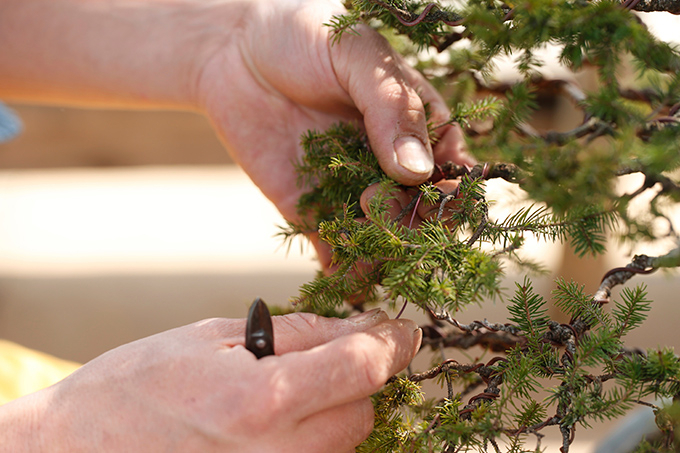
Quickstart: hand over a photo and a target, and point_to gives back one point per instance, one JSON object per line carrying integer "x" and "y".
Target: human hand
{"x": 280, "y": 76}
{"x": 264, "y": 71}
{"x": 196, "y": 388}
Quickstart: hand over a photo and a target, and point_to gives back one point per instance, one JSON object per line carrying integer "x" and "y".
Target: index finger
{"x": 292, "y": 332}
{"x": 344, "y": 370}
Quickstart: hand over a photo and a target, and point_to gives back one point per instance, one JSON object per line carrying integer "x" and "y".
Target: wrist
{"x": 137, "y": 53}
{"x": 212, "y": 32}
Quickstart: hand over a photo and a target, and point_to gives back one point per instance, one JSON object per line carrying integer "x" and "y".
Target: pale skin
{"x": 263, "y": 72}
{"x": 197, "y": 389}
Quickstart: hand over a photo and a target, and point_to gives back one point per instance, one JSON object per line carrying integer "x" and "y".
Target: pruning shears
{"x": 259, "y": 330}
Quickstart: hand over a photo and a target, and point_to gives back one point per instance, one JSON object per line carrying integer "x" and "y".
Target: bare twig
{"x": 491, "y": 340}
{"x": 641, "y": 264}
{"x": 535, "y": 428}
{"x": 645, "y": 403}
{"x": 506, "y": 171}
{"x": 442, "y": 204}
{"x": 482, "y": 225}
{"x": 408, "y": 208}
{"x": 475, "y": 325}
{"x": 560, "y": 138}
{"x": 444, "y": 367}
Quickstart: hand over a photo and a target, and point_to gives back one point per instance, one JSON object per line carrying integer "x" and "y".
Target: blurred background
{"x": 115, "y": 225}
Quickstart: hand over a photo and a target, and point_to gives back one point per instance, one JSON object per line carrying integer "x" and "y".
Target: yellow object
{"x": 24, "y": 371}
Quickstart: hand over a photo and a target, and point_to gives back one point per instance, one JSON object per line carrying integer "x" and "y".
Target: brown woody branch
{"x": 487, "y": 372}
{"x": 432, "y": 13}
{"x": 444, "y": 367}
{"x": 641, "y": 264}
{"x": 506, "y": 171}
{"x": 647, "y": 6}
{"x": 490, "y": 340}
{"x": 475, "y": 325}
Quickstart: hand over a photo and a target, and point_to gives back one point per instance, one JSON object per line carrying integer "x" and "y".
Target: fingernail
{"x": 417, "y": 339}
{"x": 368, "y": 317}
{"x": 417, "y": 333}
{"x": 413, "y": 155}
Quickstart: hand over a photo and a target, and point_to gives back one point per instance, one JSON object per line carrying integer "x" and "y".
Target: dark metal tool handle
{"x": 259, "y": 330}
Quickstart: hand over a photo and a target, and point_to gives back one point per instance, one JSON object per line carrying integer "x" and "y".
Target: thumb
{"x": 383, "y": 89}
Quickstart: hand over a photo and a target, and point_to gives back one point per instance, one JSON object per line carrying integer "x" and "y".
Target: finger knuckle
{"x": 400, "y": 94}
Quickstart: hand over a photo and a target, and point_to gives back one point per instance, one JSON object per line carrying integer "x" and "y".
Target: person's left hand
{"x": 197, "y": 389}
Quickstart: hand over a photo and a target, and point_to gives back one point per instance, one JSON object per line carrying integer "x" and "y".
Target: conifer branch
{"x": 508, "y": 172}
{"x": 444, "y": 200}
{"x": 475, "y": 325}
{"x": 641, "y": 264}
{"x": 482, "y": 225}
{"x": 647, "y": 6}
{"x": 554, "y": 420}
{"x": 444, "y": 367}
{"x": 668, "y": 186}
{"x": 407, "y": 209}
{"x": 589, "y": 127}
{"x": 431, "y": 13}
{"x": 441, "y": 266}
{"x": 493, "y": 341}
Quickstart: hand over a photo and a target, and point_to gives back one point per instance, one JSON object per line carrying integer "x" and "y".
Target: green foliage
{"x": 571, "y": 298}
{"x": 583, "y": 228}
{"x": 455, "y": 258}
{"x": 630, "y": 313}
{"x": 339, "y": 165}
{"x": 577, "y": 394}
{"x": 528, "y": 311}
{"x": 437, "y": 265}
{"x": 430, "y": 267}
{"x": 464, "y": 113}
{"x": 386, "y": 14}
{"x": 656, "y": 373}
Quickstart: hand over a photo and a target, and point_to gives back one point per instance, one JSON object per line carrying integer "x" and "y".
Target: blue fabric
{"x": 10, "y": 124}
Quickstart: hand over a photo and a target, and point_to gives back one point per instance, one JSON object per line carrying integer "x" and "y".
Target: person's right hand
{"x": 263, "y": 71}
{"x": 197, "y": 389}
{"x": 279, "y": 74}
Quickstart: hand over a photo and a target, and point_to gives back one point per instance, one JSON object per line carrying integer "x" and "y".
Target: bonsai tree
{"x": 456, "y": 256}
